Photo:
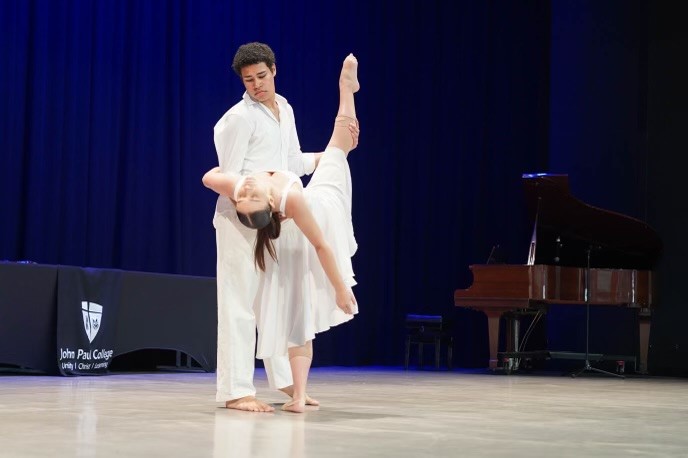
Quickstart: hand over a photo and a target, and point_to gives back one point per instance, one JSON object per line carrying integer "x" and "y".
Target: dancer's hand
{"x": 355, "y": 133}
{"x": 346, "y": 300}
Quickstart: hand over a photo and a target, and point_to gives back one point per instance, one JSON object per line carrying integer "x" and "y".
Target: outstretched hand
{"x": 346, "y": 300}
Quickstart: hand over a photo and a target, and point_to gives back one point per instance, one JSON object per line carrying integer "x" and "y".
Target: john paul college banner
{"x": 87, "y": 302}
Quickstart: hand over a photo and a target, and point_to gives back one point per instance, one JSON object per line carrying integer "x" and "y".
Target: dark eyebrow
{"x": 259, "y": 75}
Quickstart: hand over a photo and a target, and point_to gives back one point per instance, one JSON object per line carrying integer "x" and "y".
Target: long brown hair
{"x": 268, "y": 226}
{"x": 264, "y": 240}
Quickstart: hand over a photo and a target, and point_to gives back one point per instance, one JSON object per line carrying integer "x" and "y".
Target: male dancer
{"x": 258, "y": 133}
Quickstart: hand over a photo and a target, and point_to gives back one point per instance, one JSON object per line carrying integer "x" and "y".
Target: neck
{"x": 272, "y": 106}
{"x": 276, "y": 200}
{"x": 273, "y": 192}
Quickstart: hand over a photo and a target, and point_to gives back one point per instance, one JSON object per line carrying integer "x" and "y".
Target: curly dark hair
{"x": 251, "y": 54}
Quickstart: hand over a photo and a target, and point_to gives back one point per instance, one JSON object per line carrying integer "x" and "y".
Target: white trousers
{"x": 237, "y": 282}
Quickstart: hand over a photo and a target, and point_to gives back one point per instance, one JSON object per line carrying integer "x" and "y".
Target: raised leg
{"x": 348, "y": 85}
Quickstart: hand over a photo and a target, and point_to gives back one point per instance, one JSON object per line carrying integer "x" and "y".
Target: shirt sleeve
{"x": 231, "y": 142}
{"x": 297, "y": 161}
{"x": 308, "y": 163}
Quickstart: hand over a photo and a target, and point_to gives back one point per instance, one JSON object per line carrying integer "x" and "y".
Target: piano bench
{"x": 428, "y": 329}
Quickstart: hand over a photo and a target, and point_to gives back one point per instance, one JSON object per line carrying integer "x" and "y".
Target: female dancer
{"x": 306, "y": 284}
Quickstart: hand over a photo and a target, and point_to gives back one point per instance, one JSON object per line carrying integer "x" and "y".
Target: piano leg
{"x": 493, "y": 317}
{"x": 513, "y": 344}
{"x": 644, "y": 335}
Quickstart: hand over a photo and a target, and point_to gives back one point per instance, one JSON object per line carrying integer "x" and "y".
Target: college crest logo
{"x": 93, "y": 314}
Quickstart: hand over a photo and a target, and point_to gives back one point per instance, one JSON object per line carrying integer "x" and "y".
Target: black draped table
{"x": 74, "y": 320}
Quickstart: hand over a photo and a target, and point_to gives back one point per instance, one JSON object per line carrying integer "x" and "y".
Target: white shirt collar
{"x": 247, "y": 98}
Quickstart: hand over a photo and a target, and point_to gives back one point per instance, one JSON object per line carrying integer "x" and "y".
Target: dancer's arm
{"x": 305, "y": 163}
{"x": 221, "y": 182}
{"x": 301, "y": 163}
{"x": 302, "y": 216}
{"x": 231, "y": 136}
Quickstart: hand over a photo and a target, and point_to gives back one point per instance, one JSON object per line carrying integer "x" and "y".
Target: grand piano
{"x": 578, "y": 255}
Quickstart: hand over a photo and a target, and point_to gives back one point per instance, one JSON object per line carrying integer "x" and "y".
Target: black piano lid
{"x": 616, "y": 240}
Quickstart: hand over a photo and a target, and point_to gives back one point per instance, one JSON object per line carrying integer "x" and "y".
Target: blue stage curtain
{"x": 108, "y": 110}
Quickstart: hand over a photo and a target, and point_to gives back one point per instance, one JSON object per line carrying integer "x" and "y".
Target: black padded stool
{"x": 428, "y": 329}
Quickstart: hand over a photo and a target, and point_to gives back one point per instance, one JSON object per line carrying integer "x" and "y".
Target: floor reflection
{"x": 253, "y": 434}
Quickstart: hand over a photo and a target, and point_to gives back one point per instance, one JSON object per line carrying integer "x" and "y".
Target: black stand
{"x": 587, "y": 366}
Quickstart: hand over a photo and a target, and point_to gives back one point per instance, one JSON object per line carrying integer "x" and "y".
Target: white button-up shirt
{"x": 248, "y": 138}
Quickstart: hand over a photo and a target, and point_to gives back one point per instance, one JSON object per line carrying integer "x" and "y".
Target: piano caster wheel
{"x": 620, "y": 367}
{"x": 508, "y": 365}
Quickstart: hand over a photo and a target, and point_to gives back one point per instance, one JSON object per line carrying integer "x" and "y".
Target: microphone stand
{"x": 587, "y": 366}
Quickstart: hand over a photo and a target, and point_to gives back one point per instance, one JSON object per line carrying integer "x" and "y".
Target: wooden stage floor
{"x": 365, "y": 412}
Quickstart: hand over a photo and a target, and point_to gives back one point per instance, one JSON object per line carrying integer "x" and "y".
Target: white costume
{"x": 295, "y": 298}
{"x": 248, "y": 138}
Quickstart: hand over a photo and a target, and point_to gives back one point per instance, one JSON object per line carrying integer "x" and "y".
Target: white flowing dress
{"x": 295, "y": 299}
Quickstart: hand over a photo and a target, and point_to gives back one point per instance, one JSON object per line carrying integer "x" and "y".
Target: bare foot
{"x": 289, "y": 391}
{"x": 349, "y": 76}
{"x": 296, "y": 406}
{"x": 312, "y": 402}
{"x": 249, "y": 404}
